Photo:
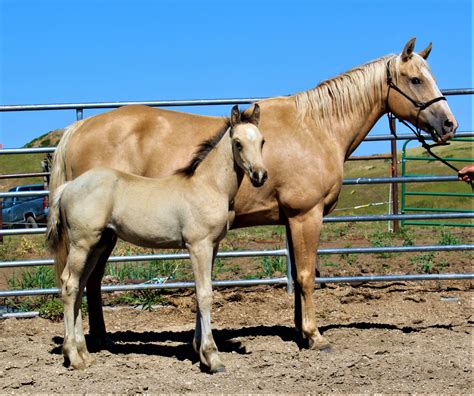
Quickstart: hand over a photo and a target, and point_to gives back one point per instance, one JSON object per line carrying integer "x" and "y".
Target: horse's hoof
{"x": 320, "y": 344}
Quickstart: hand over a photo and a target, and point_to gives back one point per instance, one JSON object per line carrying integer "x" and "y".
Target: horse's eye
{"x": 415, "y": 80}
{"x": 238, "y": 145}
{"x": 263, "y": 142}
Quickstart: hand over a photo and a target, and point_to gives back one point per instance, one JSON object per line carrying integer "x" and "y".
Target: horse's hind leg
{"x": 201, "y": 258}
{"x": 97, "y": 329}
{"x": 71, "y": 293}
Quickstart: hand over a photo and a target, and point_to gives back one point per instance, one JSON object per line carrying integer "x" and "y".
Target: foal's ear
{"x": 255, "y": 116}
{"x": 235, "y": 115}
{"x": 424, "y": 54}
{"x": 408, "y": 50}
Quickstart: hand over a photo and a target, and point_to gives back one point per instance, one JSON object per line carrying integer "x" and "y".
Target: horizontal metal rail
{"x": 249, "y": 282}
{"x": 372, "y": 138}
{"x": 167, "y": 103}
{"x": 360, "y": 180}
{"x": 256, "y": 253}
{"x": 21, "y": 175}
{"x": 466, "y": 214}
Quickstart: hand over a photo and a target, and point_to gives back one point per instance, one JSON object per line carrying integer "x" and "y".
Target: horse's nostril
{"x": 448, "y": 123}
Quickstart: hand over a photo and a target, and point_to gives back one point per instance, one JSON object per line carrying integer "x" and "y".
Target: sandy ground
{"x": 386, "y": 338}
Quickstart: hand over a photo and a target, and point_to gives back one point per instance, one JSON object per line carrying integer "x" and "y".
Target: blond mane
{"x": 351, "y": 93}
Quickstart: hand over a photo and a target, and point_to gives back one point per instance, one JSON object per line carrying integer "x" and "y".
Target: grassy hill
{"x": 351, "y": 196}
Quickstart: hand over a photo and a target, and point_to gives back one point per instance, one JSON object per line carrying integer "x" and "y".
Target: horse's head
{"x": 247, "y": 144}
{"x": 415, "y": 97}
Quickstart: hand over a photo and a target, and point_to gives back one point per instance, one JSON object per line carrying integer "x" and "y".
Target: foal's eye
{"x": 263, "y": 142}
{"x": 238, "y": 145}
{"x": 415, "y": 80}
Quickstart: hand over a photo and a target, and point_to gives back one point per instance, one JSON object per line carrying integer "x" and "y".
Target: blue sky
{"x": 124, "y": 50}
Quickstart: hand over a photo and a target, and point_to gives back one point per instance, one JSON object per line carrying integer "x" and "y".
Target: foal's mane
{"x": 353, "y": 92}
{"x": 206, "y": 147}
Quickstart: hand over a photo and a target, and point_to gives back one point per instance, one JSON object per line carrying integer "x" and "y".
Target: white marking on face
{"x": 251, "y": 134}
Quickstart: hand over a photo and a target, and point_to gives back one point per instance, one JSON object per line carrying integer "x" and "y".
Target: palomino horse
{"x": 189, "y": 209}
{"x": 309, "y": 136}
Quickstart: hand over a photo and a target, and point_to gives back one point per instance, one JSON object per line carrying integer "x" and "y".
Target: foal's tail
{"x": 56, "y": 234}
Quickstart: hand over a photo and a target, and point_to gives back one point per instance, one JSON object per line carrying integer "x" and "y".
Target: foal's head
{"x": 247, "y": 144}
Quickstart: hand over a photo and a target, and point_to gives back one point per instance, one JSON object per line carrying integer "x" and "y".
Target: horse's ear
{"x": 424, "y": 54}
{"x": 235, "y": 115}
{"x": 408, "y": 50}
{"x": 255, "y": 116}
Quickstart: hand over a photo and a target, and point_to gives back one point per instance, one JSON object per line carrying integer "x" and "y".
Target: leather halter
{"x": 420, "y": 106}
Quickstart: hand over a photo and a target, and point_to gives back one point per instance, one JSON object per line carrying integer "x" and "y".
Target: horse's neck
{"x": 219, "y": 171}
{"x": 348, "y": 116}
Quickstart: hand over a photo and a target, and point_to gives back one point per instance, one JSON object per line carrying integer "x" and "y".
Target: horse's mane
{"x": 206, "y": 147}
{"x": 352, "y": 92}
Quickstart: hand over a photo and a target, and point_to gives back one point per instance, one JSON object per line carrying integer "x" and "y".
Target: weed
{"x": 329, "y": 264}
{"x": 272, "y": 264}
{"x": 218, "y": 267}
{"x": 406, "y": 235}
{"x": 447, "y": 238}
{"x": 38, "y": 278}
{"x": 145, "y": 298}
{"x": 52, "y": 309}
{"x": 350, "y": 258}
{"x": 381, "y": 239}
{"x": 424, "y": 262}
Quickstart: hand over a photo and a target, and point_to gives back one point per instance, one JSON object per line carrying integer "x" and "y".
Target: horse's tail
{"x": 56, "y": 235}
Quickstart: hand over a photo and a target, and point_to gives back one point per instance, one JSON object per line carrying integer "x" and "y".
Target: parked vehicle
{"x": 26, "y": 211}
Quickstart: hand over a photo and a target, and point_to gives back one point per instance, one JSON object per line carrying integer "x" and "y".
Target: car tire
{"x": 31, "y": 222}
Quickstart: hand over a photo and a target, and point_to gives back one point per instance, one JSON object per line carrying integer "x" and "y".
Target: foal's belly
{"x": 148, "y": 232}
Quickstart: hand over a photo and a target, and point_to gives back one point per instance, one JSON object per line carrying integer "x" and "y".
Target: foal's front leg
{"x": 201, "y": 258}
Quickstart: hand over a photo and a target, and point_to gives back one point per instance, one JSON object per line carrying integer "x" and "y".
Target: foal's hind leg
{"x": 71, "y": 293}
{"x": 201, "y": 258}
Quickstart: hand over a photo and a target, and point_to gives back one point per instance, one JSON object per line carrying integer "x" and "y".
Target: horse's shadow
{"x": 178, "y": 344}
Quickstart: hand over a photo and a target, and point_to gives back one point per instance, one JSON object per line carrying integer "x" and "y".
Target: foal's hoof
{"x": 216, "y": 370}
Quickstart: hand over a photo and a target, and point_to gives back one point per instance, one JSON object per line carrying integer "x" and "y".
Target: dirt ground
{"x": 386, "y": 338}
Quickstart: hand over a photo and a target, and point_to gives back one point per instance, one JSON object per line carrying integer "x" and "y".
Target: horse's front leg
{"x": 201, "y": 258}
{"x": 303, "y": 240}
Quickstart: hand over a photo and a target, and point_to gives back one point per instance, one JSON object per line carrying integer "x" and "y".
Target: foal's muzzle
{"x": 258, "y": 178}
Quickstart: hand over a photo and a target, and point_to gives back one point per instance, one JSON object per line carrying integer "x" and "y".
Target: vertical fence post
{"x": 394, "y": 173}
{"x": 79, "y": 114}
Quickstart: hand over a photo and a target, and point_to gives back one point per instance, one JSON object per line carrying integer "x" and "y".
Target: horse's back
{"x": 138, "y": 139}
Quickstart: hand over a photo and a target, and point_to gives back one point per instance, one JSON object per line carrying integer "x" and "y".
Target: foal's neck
{"x": 219, "y": 169}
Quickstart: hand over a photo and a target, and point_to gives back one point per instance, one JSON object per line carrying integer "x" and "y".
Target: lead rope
{"x": 421, "y": 139}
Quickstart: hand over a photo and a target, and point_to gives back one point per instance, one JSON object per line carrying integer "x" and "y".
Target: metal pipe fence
{"x": 80, "y": 107}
